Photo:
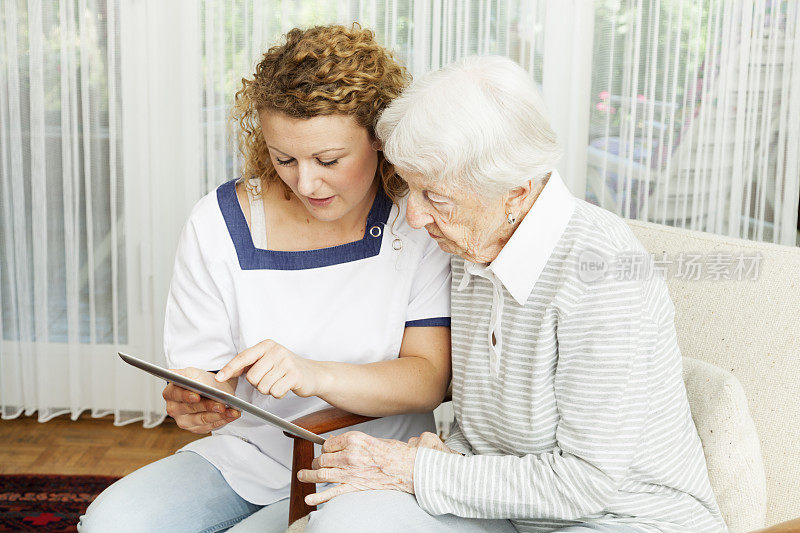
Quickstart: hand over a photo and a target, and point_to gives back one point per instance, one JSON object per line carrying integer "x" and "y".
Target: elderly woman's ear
{"x": 519, "y": 199}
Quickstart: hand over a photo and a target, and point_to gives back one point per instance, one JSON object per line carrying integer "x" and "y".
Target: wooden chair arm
{"x": 792, "y": 526}
{"x": 319, "y": 422}
{"x": 323, "y": 421}
{"x": 330, "y": 419}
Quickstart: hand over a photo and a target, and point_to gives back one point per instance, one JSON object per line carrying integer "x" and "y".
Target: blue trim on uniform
{"x": 429, "y": 322}
{"x": 252, "y": 258}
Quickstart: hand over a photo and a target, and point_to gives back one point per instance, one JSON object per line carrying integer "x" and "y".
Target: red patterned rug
{"x": 44, "y": 503}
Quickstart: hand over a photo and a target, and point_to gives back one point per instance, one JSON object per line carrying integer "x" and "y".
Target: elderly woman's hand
{"x": 430, "y": 440}
{"x": 357, "y": 461}
{"x": 275, "y": 370}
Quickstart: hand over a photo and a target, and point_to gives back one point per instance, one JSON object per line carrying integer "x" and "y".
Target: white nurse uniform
{"x": 348, "y": 303}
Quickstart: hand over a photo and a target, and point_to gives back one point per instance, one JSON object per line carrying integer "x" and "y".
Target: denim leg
{"x": 182, "y": 492}
{"x": 273, "y": 518}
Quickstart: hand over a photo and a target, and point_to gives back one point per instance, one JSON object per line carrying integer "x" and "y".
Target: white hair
{"x": 479, "y": 122}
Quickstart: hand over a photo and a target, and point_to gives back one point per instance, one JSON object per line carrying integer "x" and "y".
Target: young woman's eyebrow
{"x": 326, "y": 150}
{"x": 312, "y": 155}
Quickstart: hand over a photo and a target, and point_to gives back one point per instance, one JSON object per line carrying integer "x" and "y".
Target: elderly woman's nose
{"x": 416, "y": 214}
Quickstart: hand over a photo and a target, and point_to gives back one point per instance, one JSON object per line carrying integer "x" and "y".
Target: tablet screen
{"x": 221, "y": 396}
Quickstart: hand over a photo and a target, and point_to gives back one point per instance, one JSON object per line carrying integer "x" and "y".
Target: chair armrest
{"x": 319, "y": 422}
{"x": 330, "y": 419}
{"x": 792, "y": 526}
{"x": 322, "y": 421}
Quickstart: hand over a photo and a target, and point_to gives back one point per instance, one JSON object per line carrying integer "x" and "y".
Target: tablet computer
{"x": 221, "y": 396}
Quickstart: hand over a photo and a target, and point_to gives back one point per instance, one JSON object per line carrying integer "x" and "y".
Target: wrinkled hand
{"x": 191, "y": 411}
{"x": 357, "y": 461}
{"x": 432, "y": 441}
{"x": 275, "y": 370}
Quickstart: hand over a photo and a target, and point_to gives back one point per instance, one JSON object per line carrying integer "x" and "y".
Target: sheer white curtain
{"x": 425, "y": 34}
{"x": 694, "y": 114}
{"x": 62, "y": 253}
{"x": 75, "y": 286}
{"x": 113, "y": 122}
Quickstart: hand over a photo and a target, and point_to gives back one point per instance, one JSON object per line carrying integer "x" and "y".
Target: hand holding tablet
{"x": 193, "y": 412}
{"x": 213, "y": 393}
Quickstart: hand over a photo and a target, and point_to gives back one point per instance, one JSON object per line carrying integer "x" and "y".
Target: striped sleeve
{"x": 456, "y": 441}
{"x": 604, "y": 342}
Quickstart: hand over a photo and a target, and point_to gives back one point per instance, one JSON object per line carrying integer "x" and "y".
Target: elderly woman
{"x": 571, "y": 413}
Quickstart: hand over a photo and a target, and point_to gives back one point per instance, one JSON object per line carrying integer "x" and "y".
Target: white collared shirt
{"x": 519, "y": 263}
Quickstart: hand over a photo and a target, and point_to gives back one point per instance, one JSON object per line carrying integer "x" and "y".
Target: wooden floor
{"x": 85, "y": 446}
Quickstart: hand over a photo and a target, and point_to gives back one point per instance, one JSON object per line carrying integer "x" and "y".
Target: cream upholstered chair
{"x": 741, "y": 347}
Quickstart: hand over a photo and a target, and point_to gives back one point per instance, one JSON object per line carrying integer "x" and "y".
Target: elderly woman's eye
{"x": 435, "y": 198}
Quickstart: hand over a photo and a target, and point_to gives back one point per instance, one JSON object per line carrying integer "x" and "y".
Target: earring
{"x": 511, "y": 218}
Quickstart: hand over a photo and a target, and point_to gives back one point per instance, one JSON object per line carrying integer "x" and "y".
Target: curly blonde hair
{"x": 324, "y": 70}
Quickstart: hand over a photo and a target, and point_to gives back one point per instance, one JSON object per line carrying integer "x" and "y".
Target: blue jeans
{"x": 182, "y": 492}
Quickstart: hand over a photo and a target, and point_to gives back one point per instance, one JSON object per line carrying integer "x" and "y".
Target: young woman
{"x": 308, "y": 271}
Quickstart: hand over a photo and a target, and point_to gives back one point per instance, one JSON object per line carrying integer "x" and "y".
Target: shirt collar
{"x": 521, "y": 261}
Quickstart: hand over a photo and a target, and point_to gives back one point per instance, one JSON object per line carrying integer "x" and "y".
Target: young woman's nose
{"x": 308, "y": 179}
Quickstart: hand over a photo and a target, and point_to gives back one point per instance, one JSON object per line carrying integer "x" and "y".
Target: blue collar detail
{"x": 252, "y": 258}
